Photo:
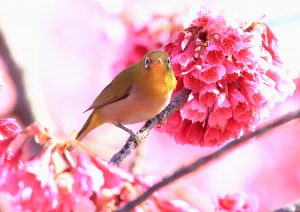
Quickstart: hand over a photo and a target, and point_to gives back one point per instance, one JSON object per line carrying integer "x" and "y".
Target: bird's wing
{"x": 118, "y": 89}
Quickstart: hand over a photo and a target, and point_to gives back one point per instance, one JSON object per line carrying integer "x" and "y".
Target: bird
{"x": 136, "y": 94}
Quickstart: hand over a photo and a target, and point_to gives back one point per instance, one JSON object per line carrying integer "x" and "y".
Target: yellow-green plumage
{"x": 136, "y": 94}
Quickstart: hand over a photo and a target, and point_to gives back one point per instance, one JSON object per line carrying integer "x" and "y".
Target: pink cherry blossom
{"x": 146, "y": 37}
{"x": 236, "y": 202}
{"x": 194, "y": 111}
{"x": 9, "y": 128}
{"x": 55, "y": 180}
{"x": 211, "y": 74}
{"x": 174, "y": 205}
{"x": 234, "y": 73}
{"x": 213, "y": 55}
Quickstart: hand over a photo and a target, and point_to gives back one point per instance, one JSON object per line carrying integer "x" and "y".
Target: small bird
{"x": 136, "y": 94}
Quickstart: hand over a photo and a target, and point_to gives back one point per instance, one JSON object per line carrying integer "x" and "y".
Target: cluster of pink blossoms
{"x": 146, "y": 37}
{"x": 54, "y": 180}
{"x": 235, "y": 76}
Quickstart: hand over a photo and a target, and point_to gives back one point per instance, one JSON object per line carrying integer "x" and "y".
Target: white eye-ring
{"x": 168, "y": 62}
{"x": 147, "y": 62}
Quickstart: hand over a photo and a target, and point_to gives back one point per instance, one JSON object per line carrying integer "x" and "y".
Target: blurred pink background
{"x": 68, "y": 48}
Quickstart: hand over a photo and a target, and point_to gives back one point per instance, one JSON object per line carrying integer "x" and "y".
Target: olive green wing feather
{"x": 118, "y": 89}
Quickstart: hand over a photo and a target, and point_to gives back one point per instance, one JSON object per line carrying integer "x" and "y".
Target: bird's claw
{"x": 135, "y": 137}
{"x": 136, "y": 140}
{"x": 70, "y": 146}
{"x": 162, "y": 120}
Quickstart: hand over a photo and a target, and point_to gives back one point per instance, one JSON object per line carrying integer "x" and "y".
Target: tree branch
{"x": 200, "y": 162}
{"x": 290, "y": 207}
{"x": 22, "y": 108}
{"x": 133, "y": 141}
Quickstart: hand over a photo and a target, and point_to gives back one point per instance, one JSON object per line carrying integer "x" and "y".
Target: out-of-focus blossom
{"x": 235, "y": 75}
{"x": 237, "y": 202}
{"x": 146, "y": 37}
{"x": 174, "y": 205}
{"x": 9, "y": 128}
{"x": 54, "y": 180}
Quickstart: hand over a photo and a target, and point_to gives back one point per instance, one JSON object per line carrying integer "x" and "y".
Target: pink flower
{"x": 213, "y": 55}
{"x": 54, "y": 180}
{"x": 194, "y": 111}
{"x": 9, "y": 128}
{"x": 171, "y": 126}
{"x": 191, "y": 82}
{"x": 211, "y": 74}
{"x": 212, "y": 137}
{"x": 237, "y": 202}
{"x": 235, "y": 75}
{"x": 145, "y": 37}
{"x": 222, "y": 112}
{"x": 174, "y": 205}
{"x": 230, "y": 42}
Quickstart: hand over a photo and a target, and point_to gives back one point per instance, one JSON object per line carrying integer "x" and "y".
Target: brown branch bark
{"x": 290, "y": 207}
{"x": 200, "y": 162}
{"x": 133, "y": 141}
{"x": 22, "y": 108}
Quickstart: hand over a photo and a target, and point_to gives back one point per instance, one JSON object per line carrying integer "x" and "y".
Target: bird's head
{"x": 157, "y": 61}
{"x": 157, "y": 75}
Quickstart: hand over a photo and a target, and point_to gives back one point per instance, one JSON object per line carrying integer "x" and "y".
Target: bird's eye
{"x": 168, "y": 62}
{"x": 147, "y": 62}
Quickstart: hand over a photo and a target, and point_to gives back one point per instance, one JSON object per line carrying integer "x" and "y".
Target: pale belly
{"x": 133, "y": 109}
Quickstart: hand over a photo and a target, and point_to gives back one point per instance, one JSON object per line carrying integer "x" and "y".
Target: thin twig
{"x": 133, "y": 141}
{"x": 22, "y": 108}
{"x": 200, "y": 162}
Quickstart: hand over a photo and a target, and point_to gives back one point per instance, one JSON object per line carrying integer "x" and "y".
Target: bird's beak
{"x": 158, "y": 60}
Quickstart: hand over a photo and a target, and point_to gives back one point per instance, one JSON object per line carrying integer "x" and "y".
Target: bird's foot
{"x": 162, "y": 120}
{"x": 125, "y": 128}
{"x": 136, "y": 139}
{"x": 70, "y": 146}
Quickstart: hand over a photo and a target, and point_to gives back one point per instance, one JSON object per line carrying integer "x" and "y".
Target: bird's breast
{"x": 135, "y": 108}
{"x": 150, "y": 94}
{"x": 158, "y": 84}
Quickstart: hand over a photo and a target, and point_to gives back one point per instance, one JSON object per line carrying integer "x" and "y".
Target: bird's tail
{"x": 94, "y": 120}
